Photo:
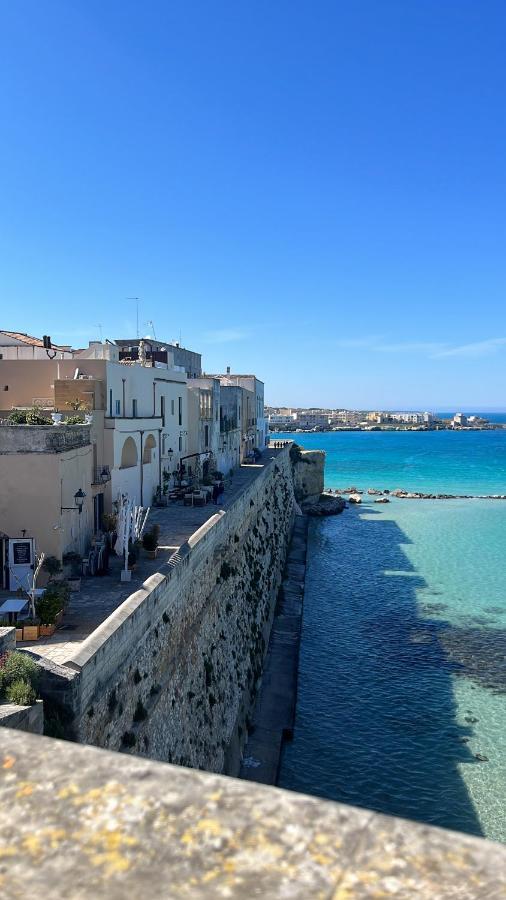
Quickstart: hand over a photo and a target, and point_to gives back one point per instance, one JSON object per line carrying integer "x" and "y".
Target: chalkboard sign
{"x": 21, "y": 553}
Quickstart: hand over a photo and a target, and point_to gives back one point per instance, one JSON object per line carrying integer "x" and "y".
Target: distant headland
{"x": 303, "y": 419}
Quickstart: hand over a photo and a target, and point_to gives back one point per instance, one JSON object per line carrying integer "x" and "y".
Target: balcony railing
{"x": 101, "y": 475}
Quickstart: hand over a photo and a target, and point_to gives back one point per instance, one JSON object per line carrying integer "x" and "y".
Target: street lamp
{"x": 78, "y": 501}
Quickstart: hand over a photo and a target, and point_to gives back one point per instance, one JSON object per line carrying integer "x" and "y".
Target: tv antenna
{"x": 150, "y": 322}
{"x": 137, "y": 301}
{"x": 100, "y": 331}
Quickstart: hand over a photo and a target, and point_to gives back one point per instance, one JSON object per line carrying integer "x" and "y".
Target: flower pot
{"x": 88, "y": 418}
{"x": 19, "y": 633}
{"x": 47, "y": 630}
{"x": 56, "y": 417}
{"x": 31, "y": 632}
{"x": 151, "y": 554}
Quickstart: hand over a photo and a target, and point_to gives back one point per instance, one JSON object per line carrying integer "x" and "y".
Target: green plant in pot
{"x": 73, "y": 561}
{"x": 52, "y": 566}
{"x": 150, "y": 541}
{"x": 48, "y": 608}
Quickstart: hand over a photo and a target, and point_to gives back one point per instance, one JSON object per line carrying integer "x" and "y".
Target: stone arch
{"x": 149, "y": 446}
{"x": 129, "y": 455}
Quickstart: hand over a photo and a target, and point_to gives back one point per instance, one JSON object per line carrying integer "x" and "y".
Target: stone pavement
{"x": 100, "y": 596}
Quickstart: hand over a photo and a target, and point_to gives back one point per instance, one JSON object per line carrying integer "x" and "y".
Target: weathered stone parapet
{"x": 81, "y": 823}
{"x": 7, "y": 639}
{"x": 42, "y": 438}
{"x": 26, "y": 718}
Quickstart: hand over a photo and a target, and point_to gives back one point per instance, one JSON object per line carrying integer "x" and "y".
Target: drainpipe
{"x": 154, "y": 398}
{"x": 142, "y": 470}
{"x": 123, "y": 380}
{"x": 160, "y": 458}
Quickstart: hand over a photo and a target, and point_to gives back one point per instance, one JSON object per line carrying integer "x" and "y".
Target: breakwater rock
{"x": 416, "y": 495}
{"x": 325, "y": 505}
{"x": 419, "y": 495}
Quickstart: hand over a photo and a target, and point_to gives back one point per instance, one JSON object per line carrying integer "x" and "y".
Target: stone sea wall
{"x": 172, "y": 673}
{"x": 308, "y": 473}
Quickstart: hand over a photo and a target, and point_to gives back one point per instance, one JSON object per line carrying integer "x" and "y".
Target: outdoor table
{"x": 13, "y": 606}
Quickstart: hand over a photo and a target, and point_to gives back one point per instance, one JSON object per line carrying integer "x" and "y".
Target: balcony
{"x": 101, "y": 475}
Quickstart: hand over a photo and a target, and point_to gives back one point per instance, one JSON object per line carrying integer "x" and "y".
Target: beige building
{"x": 138, "y": 416}
{"x": 44, "y": 473}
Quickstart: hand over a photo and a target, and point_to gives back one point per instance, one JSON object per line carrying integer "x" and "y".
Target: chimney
{"x": 228, "y": 370}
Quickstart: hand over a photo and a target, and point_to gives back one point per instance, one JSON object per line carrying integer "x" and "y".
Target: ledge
{"x": 85, "y": 823}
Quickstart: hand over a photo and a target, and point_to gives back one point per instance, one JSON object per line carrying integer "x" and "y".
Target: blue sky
{"x": 314, "y": 191}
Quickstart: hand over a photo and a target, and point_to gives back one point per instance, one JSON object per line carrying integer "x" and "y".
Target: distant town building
{"x": 257, "y": 419}
{"x": 17, "y": 345}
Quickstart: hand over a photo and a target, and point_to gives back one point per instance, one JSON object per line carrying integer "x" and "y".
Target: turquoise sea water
{"x": 402, "y": 675}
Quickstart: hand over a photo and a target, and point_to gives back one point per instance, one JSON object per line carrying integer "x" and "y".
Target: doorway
{"x": 98, "y": 512}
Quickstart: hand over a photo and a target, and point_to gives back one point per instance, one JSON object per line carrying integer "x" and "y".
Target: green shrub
{"x": 17, "y": 417}
{"x": 21, "y": 693}
{"x": 52, "y": 565}
{"x": 35, "y": 417}
{"x": 74, "y": 420}
{"x": 49, "y": 605}
{"x": 19, "y": 666}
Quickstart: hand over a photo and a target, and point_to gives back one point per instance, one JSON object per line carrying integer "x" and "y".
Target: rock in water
{"x": 355, "y": 498}
{"x": 326, "y": 505}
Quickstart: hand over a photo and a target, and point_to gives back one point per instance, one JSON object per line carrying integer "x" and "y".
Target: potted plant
{"x": 31, "y": 630}
{"x": 52, "y": 566}
{"x": 72, "y": 562}
{"x": 109, "y": 521}
{"x": 150, "y": 542}
{"x": 56, "y": 417}
{"x": 49, "y": 607}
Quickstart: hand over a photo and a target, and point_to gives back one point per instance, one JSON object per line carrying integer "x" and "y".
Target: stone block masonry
{"x": 172, "y": 673}
{"x": 308, "y": 473}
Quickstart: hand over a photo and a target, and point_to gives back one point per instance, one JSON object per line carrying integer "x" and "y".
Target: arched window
{"x": 129, "y": 454}
{"x": 148, "y": 448}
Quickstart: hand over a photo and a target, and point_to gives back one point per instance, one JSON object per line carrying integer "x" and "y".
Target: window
{"x": 206, "y": 438}
{"x": 110, "y": 403}
{"x": 180, "y": 410}
{"x": 118, "y": 408}
{"x": 180, "y": 443}
{"x": 172, "y": 407}
{"x": 162, "y": 409}
{"x": 134, "y": 408}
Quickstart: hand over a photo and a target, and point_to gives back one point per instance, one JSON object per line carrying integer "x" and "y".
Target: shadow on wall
{"x": 376, "y": 719}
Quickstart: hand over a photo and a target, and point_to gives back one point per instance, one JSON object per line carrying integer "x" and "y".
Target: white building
{"x": 253, "y": 384}
{"x": 139, "y": 415}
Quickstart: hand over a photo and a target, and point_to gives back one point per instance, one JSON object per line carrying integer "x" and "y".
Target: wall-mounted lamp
{"x": 78, "y": 500}
{"x": 170, "y": 453}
